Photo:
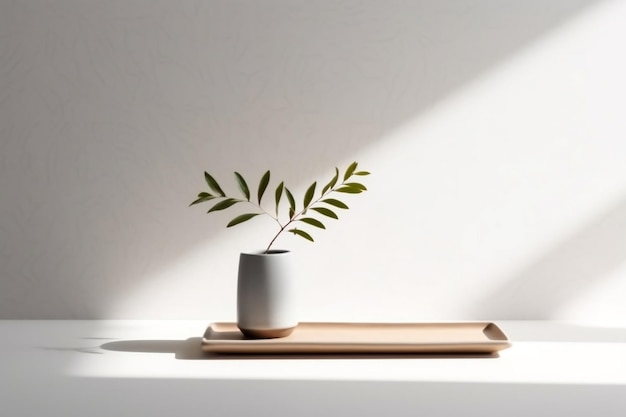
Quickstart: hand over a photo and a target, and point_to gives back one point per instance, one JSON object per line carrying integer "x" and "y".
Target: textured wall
{"x": 494, "y": 130}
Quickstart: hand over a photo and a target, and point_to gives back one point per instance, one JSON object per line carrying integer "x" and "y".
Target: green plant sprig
{"x": 322, "y": 205}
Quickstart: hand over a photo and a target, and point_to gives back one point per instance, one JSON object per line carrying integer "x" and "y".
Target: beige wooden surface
{"x": 464, "y": 337}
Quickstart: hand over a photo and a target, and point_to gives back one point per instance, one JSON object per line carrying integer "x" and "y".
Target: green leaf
{"x": 292, "y": 212}
{"x": 202, "y": 197}
{"x": 263, "y": 185}
{"x": 349, "y": 190}
{"x": 292, "y": 202}
{"x": 332, "y": 182}
{"x": 241, "y": 219}
{"x": 301, "y": 233}
{"x": 224, "y": 204}
{"x": 313, "y": 222}
{"x": 362, "y": 173}
{"x": 213, "y": 184}
{"x": 355, "y": 185}
{"x": 350, "y": 170}
{"x": 336, "y": 203}
{"x": 325, "y": 212}
{"x": 308, "y": 196}
{"x": 243, "y": 186}
{"x": 279, "y": 194}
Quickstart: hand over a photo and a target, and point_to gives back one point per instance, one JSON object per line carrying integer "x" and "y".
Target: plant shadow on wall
{"x": 563, "y": 274}
{"x": 106, "y": 134}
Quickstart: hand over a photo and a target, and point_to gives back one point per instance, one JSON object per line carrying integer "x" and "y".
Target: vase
{"x": 266, "y": 304}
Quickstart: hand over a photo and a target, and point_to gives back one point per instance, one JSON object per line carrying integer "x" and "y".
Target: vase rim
{"x": 272, "y": 252}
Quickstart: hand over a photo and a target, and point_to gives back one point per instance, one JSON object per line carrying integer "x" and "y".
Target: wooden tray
{"x": 318, "y": 338}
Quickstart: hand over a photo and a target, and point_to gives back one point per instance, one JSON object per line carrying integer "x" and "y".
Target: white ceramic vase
{"x": 266, "y": 304}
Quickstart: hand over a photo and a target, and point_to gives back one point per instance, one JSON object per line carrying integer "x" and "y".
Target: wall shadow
{"x": 563, "y": 273}
{"x": 114, "y": 113}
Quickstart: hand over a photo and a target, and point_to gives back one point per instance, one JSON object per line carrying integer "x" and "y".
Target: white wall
{"x": 494, "y": 130}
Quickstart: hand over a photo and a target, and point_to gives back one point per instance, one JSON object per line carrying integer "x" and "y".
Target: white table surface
{"x": 155, "y": 368}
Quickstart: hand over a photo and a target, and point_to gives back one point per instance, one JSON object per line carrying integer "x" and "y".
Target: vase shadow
{"x": 191, "y": 349}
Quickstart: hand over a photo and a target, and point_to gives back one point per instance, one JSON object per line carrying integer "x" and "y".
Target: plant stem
{"x": 295, "y": 216}
{"x": 265, "y": 212}
{"x": 282, "y": 229}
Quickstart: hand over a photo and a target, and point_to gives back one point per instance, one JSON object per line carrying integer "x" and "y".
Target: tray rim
{"x": 284, "y": 345}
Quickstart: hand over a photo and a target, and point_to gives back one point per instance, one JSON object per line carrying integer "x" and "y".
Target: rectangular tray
{"x": 317, "y": 338}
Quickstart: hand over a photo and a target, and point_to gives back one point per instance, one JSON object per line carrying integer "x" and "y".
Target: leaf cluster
{"x": 323, "y": 205}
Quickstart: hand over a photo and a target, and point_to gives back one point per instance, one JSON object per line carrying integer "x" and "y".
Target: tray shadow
{"x": 191, "y": 349}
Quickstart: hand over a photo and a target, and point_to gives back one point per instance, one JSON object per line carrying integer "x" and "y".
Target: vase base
{"x": 267, "y": 333}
